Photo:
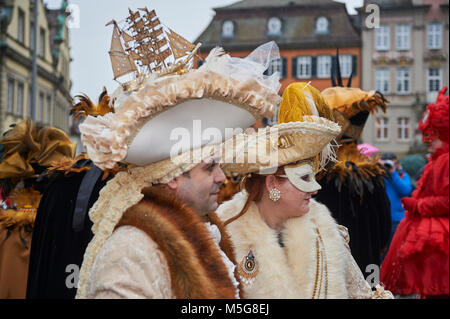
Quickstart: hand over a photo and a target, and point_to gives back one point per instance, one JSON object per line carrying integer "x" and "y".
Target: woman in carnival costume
{"x": 287, "y": 244}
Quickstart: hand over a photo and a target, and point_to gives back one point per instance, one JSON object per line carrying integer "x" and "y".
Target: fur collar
{"x": 195, "y": 265}
{"x": 289, "y": 272}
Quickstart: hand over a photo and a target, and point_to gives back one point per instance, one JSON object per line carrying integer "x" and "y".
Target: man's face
{"x": 200, "y": 187}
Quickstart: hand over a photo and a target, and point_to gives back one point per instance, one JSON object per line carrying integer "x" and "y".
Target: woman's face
{"x": 293, "y": 202}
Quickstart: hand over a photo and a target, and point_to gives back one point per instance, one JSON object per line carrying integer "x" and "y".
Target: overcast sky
{"x": 90, "y": 40}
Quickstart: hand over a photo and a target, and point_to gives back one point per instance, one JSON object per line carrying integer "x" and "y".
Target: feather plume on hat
{"x": 86, "y": 107}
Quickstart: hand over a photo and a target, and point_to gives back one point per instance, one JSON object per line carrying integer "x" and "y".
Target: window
{"x": 42, "y": 43}
{"x": 274, "y": 26}
{"x": 32, "y": 36}
{"x": 49, "y": 109}
{"x": 345, "y": 63}
{"x": 434, "y": 80}
{"x": 403, "y": 37}
{"x": 382, "y": 38}
{"x": 275, "y": 66}
{"x": 434, "y": 36}
{"x": 382, "y": 127}
{"x": 403, "y": 131}
{"x": 41, "y": 106}
{"x": 403, "y": 81}
{"x": 21, "y": 27}
{"x": 10, "y": 105}
{"x": 322, "y": 25}
{"x": 324, "y": 66}
{"x": 20, "y": 90}
{"x": 304, "y": 67}
{"x": 30, "y": 112}
{"x": 382, "y": 83}
{"x": 228, "y": 29}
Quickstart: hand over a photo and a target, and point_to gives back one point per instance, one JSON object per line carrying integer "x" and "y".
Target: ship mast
{"x": 143, "y": 46}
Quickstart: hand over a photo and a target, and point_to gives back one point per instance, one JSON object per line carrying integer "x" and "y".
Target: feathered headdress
{"x": 26, "y": 149}
{"x": 434, "y": 123}
{"x": 351, "y": 106}
{"x": 85, "y": 106}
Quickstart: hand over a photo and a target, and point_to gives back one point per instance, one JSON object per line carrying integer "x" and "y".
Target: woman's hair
{"x": 254, "y": 185}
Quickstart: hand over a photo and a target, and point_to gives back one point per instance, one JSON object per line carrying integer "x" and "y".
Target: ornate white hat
{"x": 223, "y": 95}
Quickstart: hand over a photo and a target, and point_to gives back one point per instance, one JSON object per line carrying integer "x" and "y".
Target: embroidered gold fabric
{"x": 141, "y": 272}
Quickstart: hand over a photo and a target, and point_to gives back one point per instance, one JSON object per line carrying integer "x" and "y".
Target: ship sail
{"x": 120, "y": 61}
{"x": 144, "y": 47}
{"x": 134, "y": 15}
{"x": 126, "y": 37}
{"x": 153, "y": 24}
{"x": 179, "y": 44}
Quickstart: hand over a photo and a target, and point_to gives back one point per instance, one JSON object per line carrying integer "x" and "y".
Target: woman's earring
{"x": 275, "y": 194}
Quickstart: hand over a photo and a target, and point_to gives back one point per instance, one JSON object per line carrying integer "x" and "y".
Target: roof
{"x": 298, "y": 28}
{"x": 251, "y": 4}
{"x": 396, "y": 4}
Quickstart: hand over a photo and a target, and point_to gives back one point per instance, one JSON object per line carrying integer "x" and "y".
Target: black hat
{"x": 389, "y": 156}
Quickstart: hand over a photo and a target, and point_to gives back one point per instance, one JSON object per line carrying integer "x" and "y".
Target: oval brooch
{"x": 248, "y": 268}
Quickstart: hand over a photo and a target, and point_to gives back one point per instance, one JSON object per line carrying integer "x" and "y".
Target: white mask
{"x": 303, "y": 177}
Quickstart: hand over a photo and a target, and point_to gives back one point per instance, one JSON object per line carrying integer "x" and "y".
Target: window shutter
{"x": 294, "y": 67}
{"x": 284, "y": 74}
{"x": 313, "y": 67}
{"x": 354, "y": 65}
{"x": 333, "y": 66}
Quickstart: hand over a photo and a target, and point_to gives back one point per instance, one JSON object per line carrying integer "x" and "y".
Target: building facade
{"x": 406, "y": 59}
{"x": 307, "y": 32}
{"x": 53, "y": 98}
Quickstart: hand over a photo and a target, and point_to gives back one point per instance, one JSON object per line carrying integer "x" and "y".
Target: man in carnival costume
{"x": 25, "y": 152}
{"x": 62, "y": 229}
{"x": 417, "y": 260}
{"x": 287, "y": 244}
{"x": 157, "y": 216}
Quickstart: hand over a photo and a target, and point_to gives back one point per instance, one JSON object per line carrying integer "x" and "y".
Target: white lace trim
{"x": 216, "y": 236}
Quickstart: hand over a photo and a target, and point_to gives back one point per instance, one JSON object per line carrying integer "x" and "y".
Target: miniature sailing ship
{"x": 143, "y": 47}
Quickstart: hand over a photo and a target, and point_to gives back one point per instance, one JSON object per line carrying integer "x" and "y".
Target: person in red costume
{"x": 417, "y": 261}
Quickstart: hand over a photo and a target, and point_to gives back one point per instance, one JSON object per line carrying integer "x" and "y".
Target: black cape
{"x": 368, "y": 219}
{"x": 60, "y": 235}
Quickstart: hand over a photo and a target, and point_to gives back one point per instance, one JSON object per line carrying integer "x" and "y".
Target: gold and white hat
{"x": 294, "y": 145}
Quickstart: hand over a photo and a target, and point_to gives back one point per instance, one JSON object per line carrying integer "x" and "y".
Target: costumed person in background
{"x": 413, "y": 164}
{"x": 26, "y": 152}
{"x": 287, "y": 244}
{"x": 398, "y": 185}
{"x": 62, "y": 229}
{"x": 157, "y": 217}
{"x": 353, "y": 189}
{"x": 417, "y": 260}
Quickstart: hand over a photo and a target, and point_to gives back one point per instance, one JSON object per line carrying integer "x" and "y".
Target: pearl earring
{"x": 275, "y": 194}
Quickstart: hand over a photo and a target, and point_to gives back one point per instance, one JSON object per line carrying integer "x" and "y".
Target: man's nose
{"x": 219, "y": 177}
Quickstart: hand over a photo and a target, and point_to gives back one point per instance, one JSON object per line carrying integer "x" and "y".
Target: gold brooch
{"x": 248, "y": 268}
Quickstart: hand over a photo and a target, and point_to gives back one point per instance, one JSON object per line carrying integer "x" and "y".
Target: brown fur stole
{"x": 195, "y": 265}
